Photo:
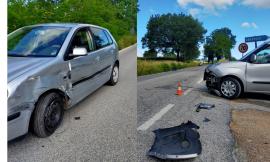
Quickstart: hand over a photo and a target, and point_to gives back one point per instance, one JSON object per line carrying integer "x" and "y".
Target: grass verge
{"x": 146, "y": 67}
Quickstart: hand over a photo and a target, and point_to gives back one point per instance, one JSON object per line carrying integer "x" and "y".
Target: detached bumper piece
{"x": 180, "y": 142}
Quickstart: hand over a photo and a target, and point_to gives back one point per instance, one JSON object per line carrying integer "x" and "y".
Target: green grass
{"x": 127, "y": 40}
{"x": 146, "y": 67}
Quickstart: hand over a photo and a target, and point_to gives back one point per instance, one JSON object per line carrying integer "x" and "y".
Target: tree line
{"x": 179, "y": 36}
{"x": 119, "y": 16}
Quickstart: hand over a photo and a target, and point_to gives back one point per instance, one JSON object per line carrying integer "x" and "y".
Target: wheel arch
{"x": 235, "y": 77}
{"x": 117, "y": 63}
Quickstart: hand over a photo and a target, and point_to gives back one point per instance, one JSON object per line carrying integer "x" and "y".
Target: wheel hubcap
{"x": 228, "y": 88}
{"x": 115, "y": 74}
{"x": 53, "y": 116}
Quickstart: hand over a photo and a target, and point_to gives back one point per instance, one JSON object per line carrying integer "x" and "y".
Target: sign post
{"x": 243, "y": 48}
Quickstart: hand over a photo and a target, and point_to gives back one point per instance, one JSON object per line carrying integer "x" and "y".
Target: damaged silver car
{"x": 51, "y": 67}
{"x": 249, "y": 74}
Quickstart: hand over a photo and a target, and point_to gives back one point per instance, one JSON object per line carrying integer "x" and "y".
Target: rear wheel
{"x": 230, "y": 88}
{"x": 48, "y": 114}
{"x": 114, "y": 75}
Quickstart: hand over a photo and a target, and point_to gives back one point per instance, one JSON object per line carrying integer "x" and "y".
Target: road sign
{"x": 256, "y": 38}
{"x": 243, "y": 48}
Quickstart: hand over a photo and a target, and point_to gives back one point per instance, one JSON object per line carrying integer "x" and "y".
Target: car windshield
{"x": 38, "y": 41}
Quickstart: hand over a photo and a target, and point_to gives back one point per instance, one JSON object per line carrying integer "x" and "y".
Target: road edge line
{"x": 124, "y": 49}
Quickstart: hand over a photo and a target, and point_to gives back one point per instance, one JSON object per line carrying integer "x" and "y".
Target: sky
{"x": 244, "y": 17}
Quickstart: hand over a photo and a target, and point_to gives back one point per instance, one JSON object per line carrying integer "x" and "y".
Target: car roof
{"x": 69, "y": 25}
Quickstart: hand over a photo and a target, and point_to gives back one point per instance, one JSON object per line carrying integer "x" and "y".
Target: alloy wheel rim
{"x": 228, "y": 88}
{"x": 115, "y": 74}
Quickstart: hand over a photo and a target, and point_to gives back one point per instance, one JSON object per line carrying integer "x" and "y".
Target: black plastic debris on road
{"x": 204, "y": 106}
{"x": 77, "y": 118}
{"x": 206, "y": 120}
{"x": 180, "y": 142}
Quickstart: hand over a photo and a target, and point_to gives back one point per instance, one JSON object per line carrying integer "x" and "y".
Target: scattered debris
{"x": 206, "y": 120}
{"x": 204, "y": 106}
{"x": 180, "y": 142}
{"x": 77, "y": 118}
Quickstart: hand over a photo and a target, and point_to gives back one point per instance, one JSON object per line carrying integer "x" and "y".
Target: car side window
{"x": 82, "y": 39}
{"x": 263, "y": 56}
{"x": 100, "y": 37}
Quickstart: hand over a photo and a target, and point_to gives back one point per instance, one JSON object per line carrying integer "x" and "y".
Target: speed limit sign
{"x": 243, "y": 48}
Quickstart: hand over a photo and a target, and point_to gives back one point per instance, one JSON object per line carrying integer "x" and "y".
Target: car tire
{"x": 48, "y": 115}
{"x": 230, "y": 88}
{"x": 114, "y": 75}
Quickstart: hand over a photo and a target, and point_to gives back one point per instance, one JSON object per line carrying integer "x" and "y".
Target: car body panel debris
{"x": 204, "y": 106}
{"x": 180, "y": 142}
{"x": 206, "y": 120}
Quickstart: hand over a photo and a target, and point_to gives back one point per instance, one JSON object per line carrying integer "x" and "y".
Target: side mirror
{"x": 253, "y": 58}
{"x": 79, "y": 51}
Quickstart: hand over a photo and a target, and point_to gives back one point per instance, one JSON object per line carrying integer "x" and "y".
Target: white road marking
{"x": 156, "y": 117}
{"x": 200, "y": 81}
{"x": 187, "y": 91}
{"x": 190, "y": 89}
{"x": 124, "y": 49}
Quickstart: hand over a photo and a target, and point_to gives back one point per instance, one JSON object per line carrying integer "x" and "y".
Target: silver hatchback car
{"x": 249, "y": 74}
{"x": 51, "y": 67}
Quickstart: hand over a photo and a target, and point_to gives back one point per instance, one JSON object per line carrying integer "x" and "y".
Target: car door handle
{"x": 98, "y": 58}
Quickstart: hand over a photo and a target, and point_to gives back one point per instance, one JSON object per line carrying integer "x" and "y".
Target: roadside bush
{"x": 126, "y": 41}
{"x": 165, "y": 67}
{"x": 146, "y": 66}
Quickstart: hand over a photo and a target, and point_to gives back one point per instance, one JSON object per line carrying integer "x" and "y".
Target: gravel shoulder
{"x": 251, "y": 131}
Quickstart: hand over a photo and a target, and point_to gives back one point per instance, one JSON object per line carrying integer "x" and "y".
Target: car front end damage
{"x": 212, "y": 80}
{"x": 18, "y": 119}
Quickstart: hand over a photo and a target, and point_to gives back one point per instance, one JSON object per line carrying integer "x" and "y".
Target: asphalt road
{"x": 106, "y": 129}
{"x": 159, "y": 107}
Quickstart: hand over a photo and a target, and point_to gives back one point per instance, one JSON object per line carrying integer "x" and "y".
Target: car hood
{"x": 18, "y": 66}
{"x": 232, "y": 64}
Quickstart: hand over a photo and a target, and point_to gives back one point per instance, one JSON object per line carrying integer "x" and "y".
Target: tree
{"x": 119, "y": 16}
{"x": 175, "y": 33}
{"x": 219, "y": 44}
{"x": 150, "y": 54}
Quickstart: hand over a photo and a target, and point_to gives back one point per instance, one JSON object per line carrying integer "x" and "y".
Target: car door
{"x": 258, "y": 72}
{"x": 82, "y": 68}
{"x": 104, "y": 46}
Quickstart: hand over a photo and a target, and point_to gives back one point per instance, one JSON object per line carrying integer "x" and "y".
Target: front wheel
{"x": 230, "y": 88}
{"x": 48, "y": 114}
{"x": 114, "y": 75}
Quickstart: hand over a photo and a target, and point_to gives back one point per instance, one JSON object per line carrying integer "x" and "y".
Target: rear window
{"x": 100, "y": 38}
{"x": 109, "y": 37}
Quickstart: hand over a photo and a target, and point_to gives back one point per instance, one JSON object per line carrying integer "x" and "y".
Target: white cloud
{"x": 194, "y": 11}
{"x": 208, "y": 4}
{"x": 257, "y": 3}
{"x": 245, "y": 25}
{"x": 249, "y": 25}
{"x": 254, "y": 25}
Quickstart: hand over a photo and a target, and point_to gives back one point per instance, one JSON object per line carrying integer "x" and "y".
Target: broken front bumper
{"x": 212, "y": 80}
